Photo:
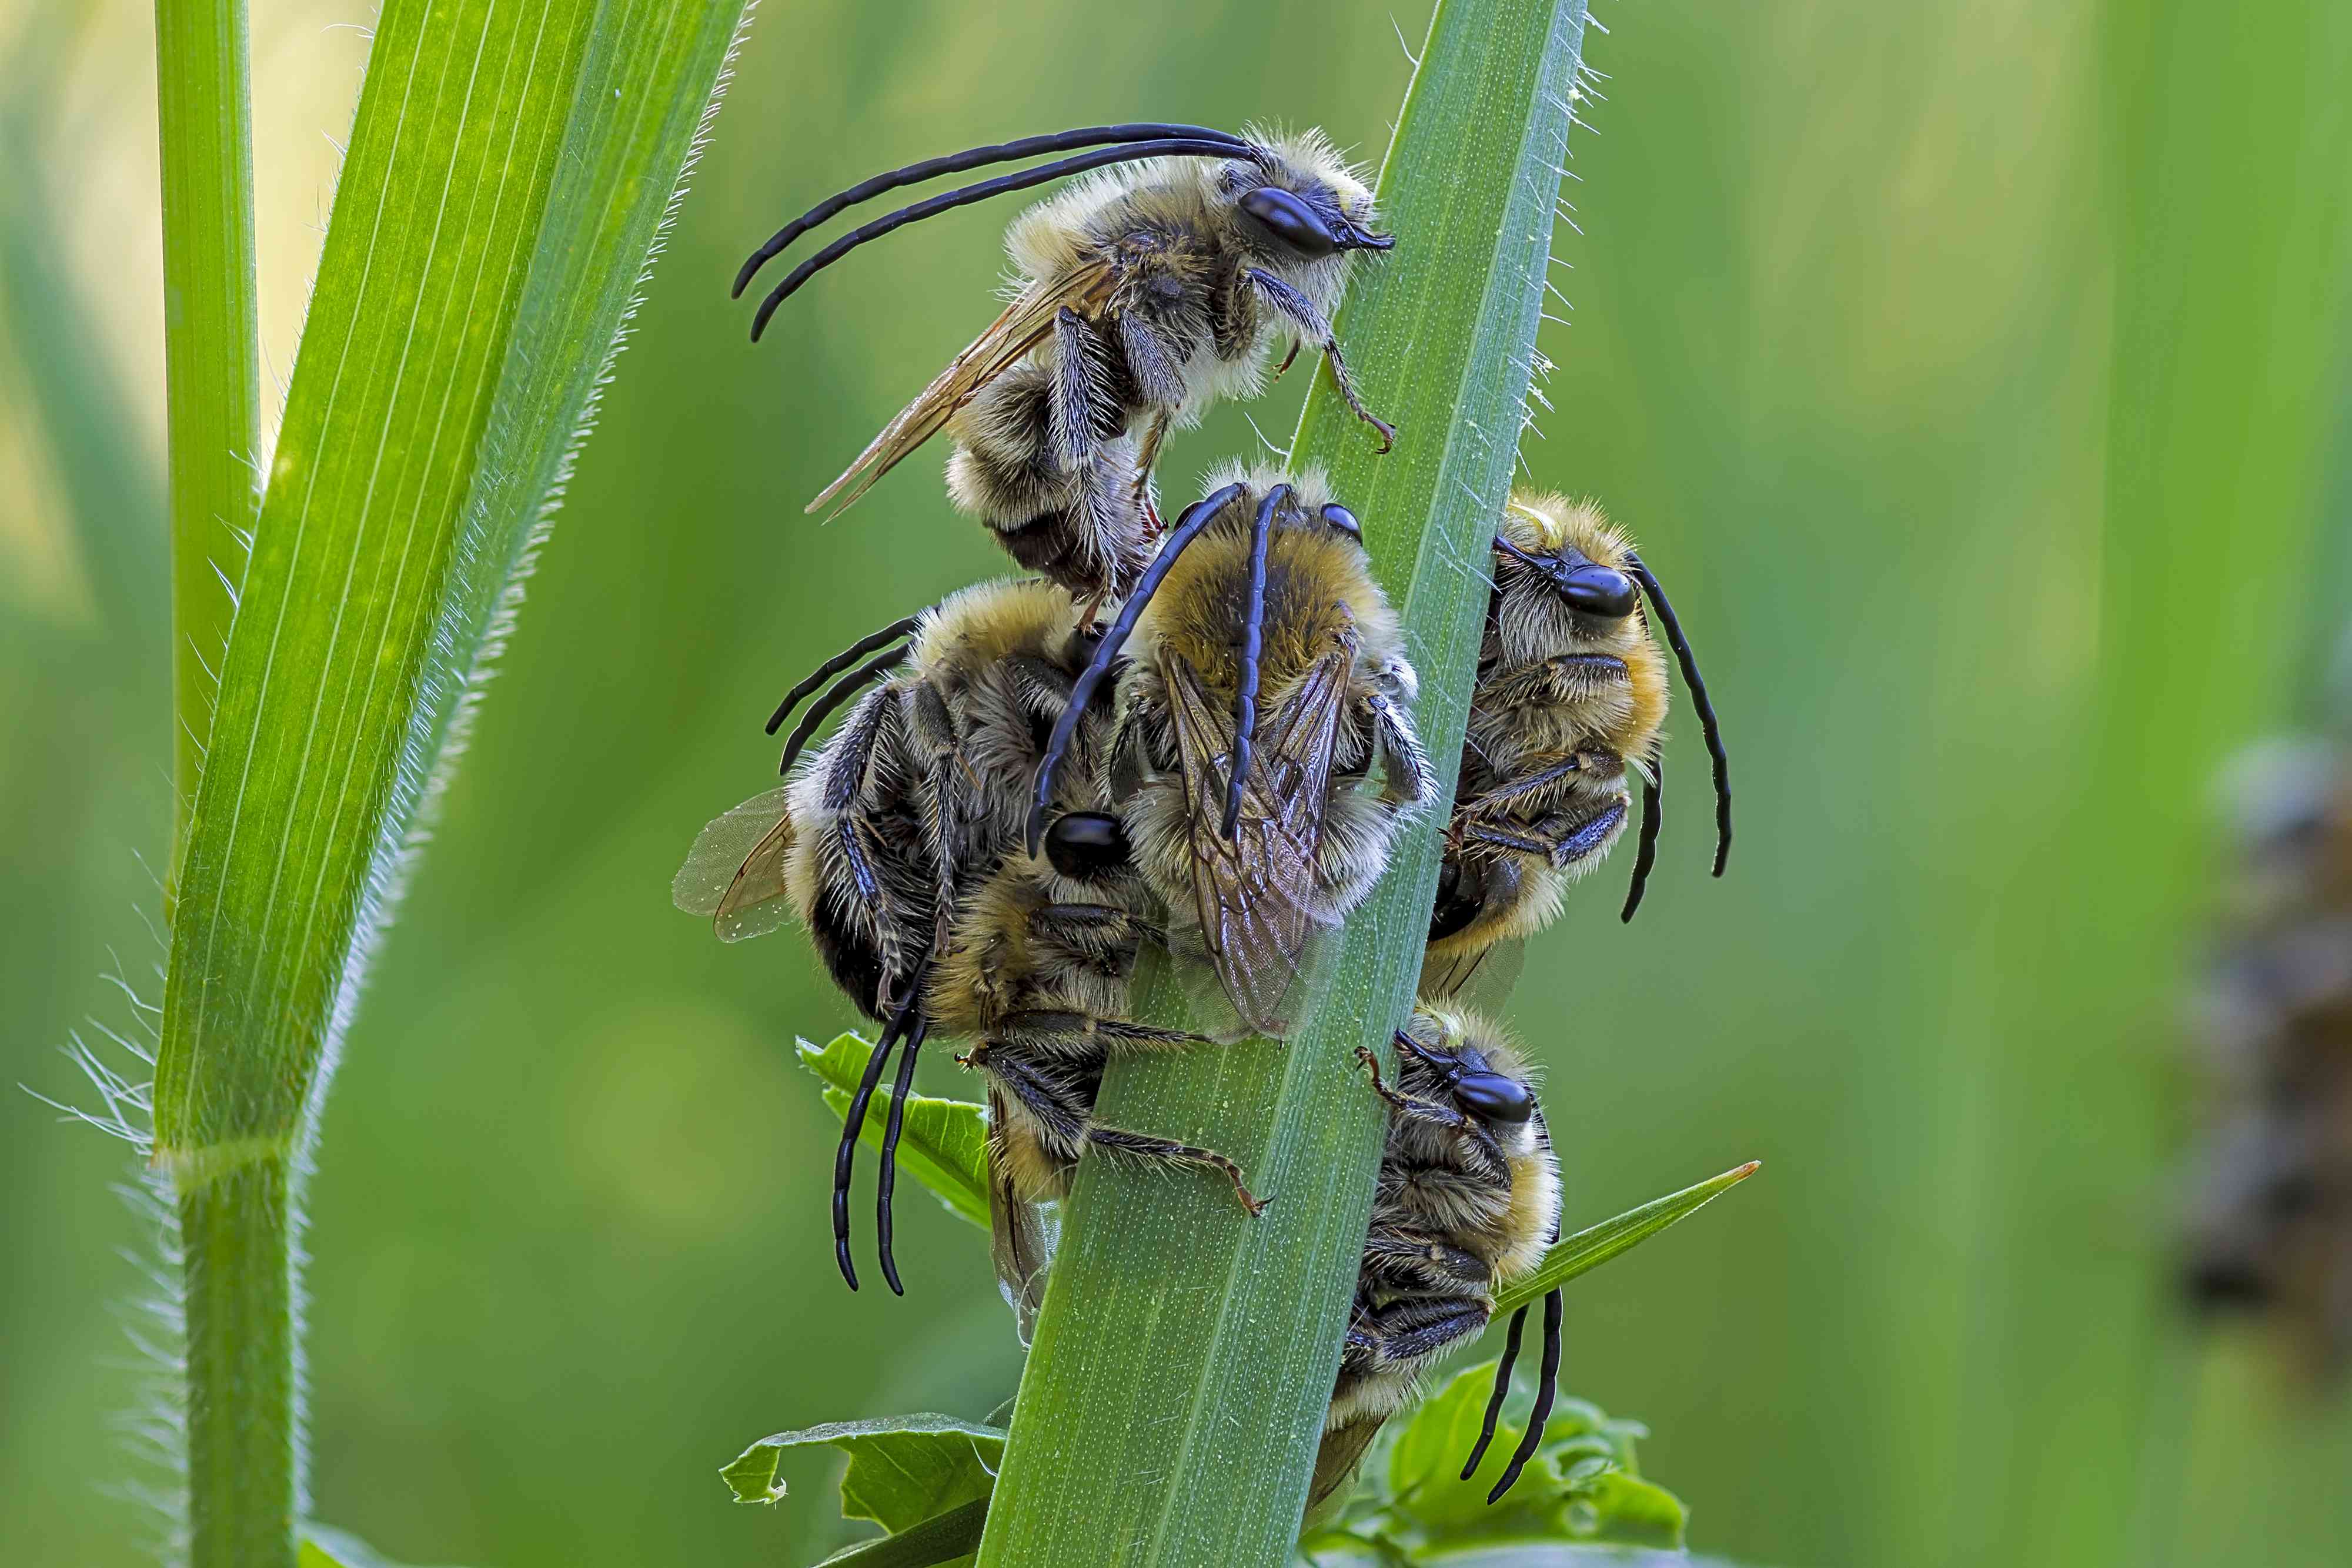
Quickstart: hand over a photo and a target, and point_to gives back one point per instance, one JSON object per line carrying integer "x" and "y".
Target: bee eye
{"x": 1491, "y": 1097}
{"x": 1340, "y": 520}
{"x": 1597, "y": 590}
{"x": 1085, "y": 844}
{"x": 1290, "y": 220}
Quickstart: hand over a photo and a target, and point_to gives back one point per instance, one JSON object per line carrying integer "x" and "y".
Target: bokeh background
{"x": 1974, "y": 376}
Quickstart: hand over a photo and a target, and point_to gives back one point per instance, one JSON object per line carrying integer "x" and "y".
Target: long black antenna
{"x": 1253, "y": 647}
{"x": 965, "y": 196}
{"x": 838, "y": 663}
{"x": 1546, "y": 1385}
{"x": 844, "y": 1157}
{"x": 1689, "y": 663}
{"x": 1502, "y": 1388}
{"x": 1645, "y": 852}
{"x": 970, "y": 157}
{"x": 887, "y": 1181}
{"x": 1195, "y": 517}
{"x": 849, "y": 685}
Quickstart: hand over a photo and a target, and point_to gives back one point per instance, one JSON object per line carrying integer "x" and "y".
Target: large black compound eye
{"x": 1491, "y": 1097}
{"x": 1085, "y": 844}
{"x": 1598, "y": 589}
{"x": 1290, "y": 220}
{"x": 1461, "y": 896}
{"x": 1340, "y": 520}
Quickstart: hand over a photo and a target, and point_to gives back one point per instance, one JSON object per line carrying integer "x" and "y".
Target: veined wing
{"x": 1254, "y": 893}
{"x": 735, "y": 872}
{"x": 1025, "y": 324}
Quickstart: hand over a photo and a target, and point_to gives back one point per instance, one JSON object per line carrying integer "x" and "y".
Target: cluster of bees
{"x": 1194, "y": 737}
{"x": 2269, "y": 1230}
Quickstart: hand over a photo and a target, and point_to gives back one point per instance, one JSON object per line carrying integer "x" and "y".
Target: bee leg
{"x": 850, "y": 758}
{"x": 1043, "y": 690}
{"x": 1300, "y": 312}
{"x": 1412, "y": 779}
{"x": 1071, "y": 1035}
{"x": 1409, "y": 1105}
{"x": 1408, "y": 1260}
{"x": 1097, "y": 931}
{"x": 1412, "y": 1329}
{"x": 1120, "y": 1142}
{"x": 1148, "y": 453}
{"x": 1296, "y": 344}
{"x": 1504, "y": 837}
{"x": 1573, "y": 840}
{"x": 1541, "y": 774}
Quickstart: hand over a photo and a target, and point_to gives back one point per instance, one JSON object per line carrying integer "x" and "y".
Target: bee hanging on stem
{"x": 1569, "y": 699}
{"x": 874, "y": 839}
{"x": 1262, "y": 681}
{"x": 1140, "y": 296}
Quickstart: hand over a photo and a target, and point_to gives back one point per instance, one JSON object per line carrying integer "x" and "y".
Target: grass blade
{"x": 1597, "y": 1244}
{"x": 210, "y": 353}
{"x": 1183, "y": 1358}
{"x": 509, "y": 170}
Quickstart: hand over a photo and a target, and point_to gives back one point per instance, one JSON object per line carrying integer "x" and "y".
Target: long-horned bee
{"x": 1139, "y": 297}
{"x": 1468, "y": 1201}
{"x": 873, "y": 841}
{"x": 1263, "y": 680}
{"x": 1571, "y": 694}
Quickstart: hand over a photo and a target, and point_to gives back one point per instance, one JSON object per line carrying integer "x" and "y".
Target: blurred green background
{"x": 1973, "y": 377}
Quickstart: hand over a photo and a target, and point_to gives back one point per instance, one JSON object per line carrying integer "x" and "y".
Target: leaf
{"x": 903, "y": 1470}
{"x": 1591, "y": 1248}
{"x": 950, "y": 1537}
{"x": 944, "y": 1142}
{"x": 1181, "y": 1364}
{"x": 322, "y": 1547}
{"x": 510, "y": 168}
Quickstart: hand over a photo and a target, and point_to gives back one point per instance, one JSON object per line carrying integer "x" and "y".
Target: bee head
{"x": 1301, "y": 201}
{"x": 1476, "y": 1086}
{"x": 1083, "y": 845}
{"x": 1583, "y": 584}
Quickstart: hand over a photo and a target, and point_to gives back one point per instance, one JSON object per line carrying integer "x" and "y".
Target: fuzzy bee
{"x": 1468, "y": 1200}
{"x": 1139, "y": 297}
{"x": 1571, "y": 694}
{"x": 875, "y": 838}
{"x": 1036, "y": 976}
{"x": 1263, "y": 680}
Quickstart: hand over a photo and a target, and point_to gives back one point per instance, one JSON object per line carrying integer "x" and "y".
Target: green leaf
{"x": 903, "y": 1470}
{"x": 322, "y": 1547}
{"x": 945, "y": 1538}
{"x": 1182, "y": 1359}
{"x": 509, "y": 171}
{"x": 1591, "y": 1248}
{"x": 943, "y": 1144}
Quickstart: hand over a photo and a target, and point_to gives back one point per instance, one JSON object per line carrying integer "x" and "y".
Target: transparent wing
{"x": 735, "y": 872}
{"x": 1254, "y": 892}
{"x": 1007, "y": 341}
{"x": 1019, "y": 1242}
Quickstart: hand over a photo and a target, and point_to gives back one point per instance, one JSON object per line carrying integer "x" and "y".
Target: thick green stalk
{"x": 212, "y": 388}
{"x": 1184, "y": 1355}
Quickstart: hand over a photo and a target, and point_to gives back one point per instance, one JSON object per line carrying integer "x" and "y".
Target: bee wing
{"x": 1336, "y": 1461}
{"x": 735, "y": 871}
{"x": 1482, "y": 978}
{"x": 1018, "y": 1243}
{"x": 1007, "y": 341}
{"x": 1253, "y": 890}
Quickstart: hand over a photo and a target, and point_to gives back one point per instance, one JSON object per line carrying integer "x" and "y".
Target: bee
{"x": 1570, "y": 695}
{"x": 2270, "y": 1226}
{"x": 1250, "y": 819}
{"x": 1139, "y": 297}
{"x": 1036, "y": 975}
{"x": 875, "y": 837}
{"x": 1468, "y": 1201}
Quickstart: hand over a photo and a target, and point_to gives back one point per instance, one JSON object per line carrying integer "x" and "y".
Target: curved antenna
{"x": 957, "y": 162}
{"x": 887, "y": 1182}
{"x": 838, "y": 663}
{"x": 966, "y": 195}
{"x": 1195, "y": 517}
{"x": 1502, "y": 1388}
{"x": 1253, "y": 646}
{"x": 1546, "y": 1385}
{"x": 1645, "y": 852}
{"x": 849, "y": 685}
{"x": 844, "y": 1157}
{"x": 1714, "y": 732}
